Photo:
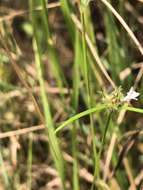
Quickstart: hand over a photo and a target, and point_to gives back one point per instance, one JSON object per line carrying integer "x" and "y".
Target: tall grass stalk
{"x": 68, "y": 13}
{"x": 124, "y": 24}
{"x": 66, "y": 9}
{"x": 115, "y": 59}
{"x": 57, "y": 72}
{"x": 93, "y": 52}
{"x": 75, "y": 159}
{"x": 53, "y": 141}
{"x": 97, "y": 173}
{"x": 75, "y": 100}
{"x": 87, "y": 80}
{"x": 104, "y": 137}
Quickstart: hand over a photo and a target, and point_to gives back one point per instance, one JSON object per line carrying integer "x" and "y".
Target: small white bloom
{"x": 131, "y": 95}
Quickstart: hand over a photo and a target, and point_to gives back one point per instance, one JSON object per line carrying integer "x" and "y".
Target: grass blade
{"x": 75, "y": 101}
{"x": 53, "y": 141}
{"x": 57, "y": 72}
{"x": 80, "y": 115}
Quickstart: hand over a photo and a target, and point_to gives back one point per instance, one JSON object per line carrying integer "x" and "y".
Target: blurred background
{"x": 25, "y": 158}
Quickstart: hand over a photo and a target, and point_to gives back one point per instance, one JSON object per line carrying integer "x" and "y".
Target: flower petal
{"x": 131, "y": 95}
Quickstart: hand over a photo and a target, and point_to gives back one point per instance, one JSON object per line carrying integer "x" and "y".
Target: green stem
{"x": 98, "y": 108}
{"x": 86, "y": 76}
{"x": 79, "y": 115}
{"x": 57, "y": 71}
{"x": 53, "y": 140}
{"x": 75, "y": 161}
{"x": 97, "y": 169}
{"x": 75, "y": 101}
{"x": 103, "y": 138}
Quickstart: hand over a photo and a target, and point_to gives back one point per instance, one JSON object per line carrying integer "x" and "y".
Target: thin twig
{"x": 124, "y": 150}
{"x": 124, "y": 24}
{"x": 21, "y": 131}
{"x": 93, "y": 50}
{"x": 20, "y": 76}
{"x": 109, "y": 156}
{"x": 138, "y": 78}
{"x": 139, "y": 178}
{"x": 131, "y": 133}
{"x": 23, "y": 12}
{"x": 129, "y": 174}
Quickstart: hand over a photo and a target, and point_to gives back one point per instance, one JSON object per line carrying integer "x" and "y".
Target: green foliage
{"x": 53, "y": 141}
{"x": 89, "y": 111}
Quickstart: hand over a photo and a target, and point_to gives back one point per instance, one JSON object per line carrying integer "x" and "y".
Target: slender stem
{"x": 98, "y": 108}
{"x": 75, "y": 161}
{"x": 97, "y": 170}
{"x": 104, "y": 137}
{"x": 75, "y": 101}
{"x": 53, "y": 141}
{"x": 86, "y": 76}
{"x": 79, "y": 115}
{"x": 56, "y": 69}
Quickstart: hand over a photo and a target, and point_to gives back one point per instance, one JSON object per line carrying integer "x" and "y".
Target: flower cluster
{"x": 116, "y": 98}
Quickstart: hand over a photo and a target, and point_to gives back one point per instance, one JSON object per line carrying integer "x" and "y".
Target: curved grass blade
{"x": 80, "y": 115}
{"x": 92, "y": 110}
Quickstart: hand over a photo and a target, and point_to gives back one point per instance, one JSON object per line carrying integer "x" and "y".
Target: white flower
{"x": 131, "y": 95}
